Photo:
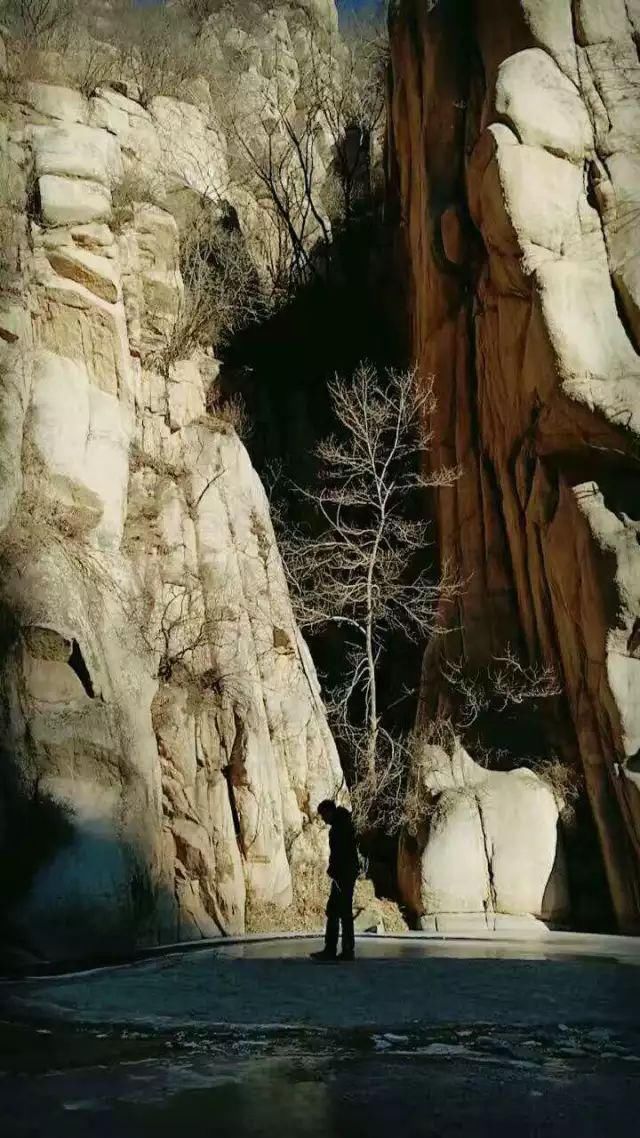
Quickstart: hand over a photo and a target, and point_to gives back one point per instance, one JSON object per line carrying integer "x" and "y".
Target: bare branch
{"x": 362, "y": 567}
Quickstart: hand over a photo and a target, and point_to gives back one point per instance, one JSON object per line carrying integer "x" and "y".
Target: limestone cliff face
{"x": 515, "y": 153}
{"x": 164, "y": 744}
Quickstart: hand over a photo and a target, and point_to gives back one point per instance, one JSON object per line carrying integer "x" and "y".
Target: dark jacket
{"x": 343, "y": 856}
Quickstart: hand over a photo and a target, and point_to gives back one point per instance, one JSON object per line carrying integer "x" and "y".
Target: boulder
{"x": 369, "y": 921}
{"x": 67, "y": 201}
{"x": 77, "y": 152}
{"x": 97, "y": 274}
{"x": 56, "y": 102}
{"x": 543, "y": 105}
{"x": 491, "y": 845}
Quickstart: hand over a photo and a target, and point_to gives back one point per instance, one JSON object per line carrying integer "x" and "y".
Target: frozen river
{"x": 420, "y": 1036}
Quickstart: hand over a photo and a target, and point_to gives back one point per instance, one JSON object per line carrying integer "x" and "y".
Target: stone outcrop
{"x": 514, "y": 154}
{"x": 164, "y": 741}
{"x": 489, "y": 854}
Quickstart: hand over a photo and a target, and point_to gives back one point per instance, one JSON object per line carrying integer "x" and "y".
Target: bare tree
{"x": 293, "y": 151}
{"x": 363, "y": 569}
{"x": 276, "y": 153}
{"x": 346, "y": 78}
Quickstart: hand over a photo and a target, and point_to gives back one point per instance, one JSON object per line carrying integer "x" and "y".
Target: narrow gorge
{"x": 164, "y": 739}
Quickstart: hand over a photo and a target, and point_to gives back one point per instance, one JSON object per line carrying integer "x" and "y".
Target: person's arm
{"x": 331, "y": 871}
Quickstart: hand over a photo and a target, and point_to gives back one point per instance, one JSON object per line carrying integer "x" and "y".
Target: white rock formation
{"x": 162, "y": 721}
{"x": 490, "y": 854}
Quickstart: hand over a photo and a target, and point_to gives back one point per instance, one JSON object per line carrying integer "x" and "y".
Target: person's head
{"x": 327, "y": 810}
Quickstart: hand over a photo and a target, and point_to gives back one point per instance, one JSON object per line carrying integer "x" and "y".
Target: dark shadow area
{"x": 352, "y": 310}
{"x": 591, "y": 907}
{"x": 281, "y": 366}
{"x": 83, "y": 930}
{"x": 33, "y": 828}
{"x": 77, "y": 662}
{"x": 111, "y": 904}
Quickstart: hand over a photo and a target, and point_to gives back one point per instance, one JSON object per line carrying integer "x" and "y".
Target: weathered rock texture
{"x": 489, "y": 853}
{"x": 164, "y": 742}
{"x": 515, "y": 153}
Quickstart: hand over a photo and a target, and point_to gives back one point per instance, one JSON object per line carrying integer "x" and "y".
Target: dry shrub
{"x": 221, "y": 293}
{"x": 365, "y": 898}
{"x": 158, "y": 52}
{"x": 67, "y": 54}
{"x": 218, "y": 272}
{"x": 27, "y": 62}
{"x": 132, "y": 188}
{"x": 91, "y": 64}
{"x": 10, "y": 204}
{"x": 39, "y": 23}
{"x": 230, "y": 410}
{"x": 199, "y": 11}
{"x": 307, "y": 913}
{"x": 566, "y": 782}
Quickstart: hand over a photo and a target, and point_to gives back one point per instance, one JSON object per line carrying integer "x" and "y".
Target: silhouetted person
{"x": 343, "y": 871}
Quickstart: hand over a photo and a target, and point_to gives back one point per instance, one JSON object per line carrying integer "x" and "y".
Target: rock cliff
{"x": 515, "y": 159}
{"x": 164, "y": 741}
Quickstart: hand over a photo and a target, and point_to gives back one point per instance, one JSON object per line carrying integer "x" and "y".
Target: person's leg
{"x": 333, "y": 921}
{"x": 346, "y": 916}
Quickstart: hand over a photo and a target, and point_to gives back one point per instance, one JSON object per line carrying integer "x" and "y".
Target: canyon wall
{"x": 164, "y": 742}
{"x": 514, "y": 157}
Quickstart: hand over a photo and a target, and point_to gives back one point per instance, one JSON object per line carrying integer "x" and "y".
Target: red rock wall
{"x": 515, "y": 184}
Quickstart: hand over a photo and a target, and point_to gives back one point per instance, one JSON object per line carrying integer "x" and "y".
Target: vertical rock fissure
{"x": 77, "y": 663}
{"x": 493, "y": 896}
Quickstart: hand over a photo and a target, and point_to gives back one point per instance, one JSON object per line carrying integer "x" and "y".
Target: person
{"x": 343, "y": 871}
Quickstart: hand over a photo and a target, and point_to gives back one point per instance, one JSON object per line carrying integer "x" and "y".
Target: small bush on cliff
{"x": 54, "y": 42}
{"x": 39, "y": 23}
{"x": 229, "y": 409}
{"x": 201, "y": 10}
{"x": 10, "y": 202}
{"x": 221, "y": 292}
{"x": 158, "y": 52}
{"x": 91, "y": 64}
{"x": 133, "y": 188}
